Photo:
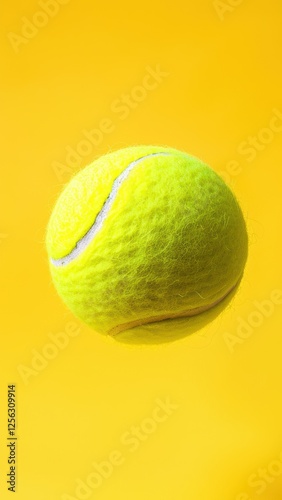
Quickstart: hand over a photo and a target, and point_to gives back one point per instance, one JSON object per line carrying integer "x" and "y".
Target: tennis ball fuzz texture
{"x": 143, "y": 235}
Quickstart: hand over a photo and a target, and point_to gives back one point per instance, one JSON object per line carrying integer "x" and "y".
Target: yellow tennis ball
{"x": 145, "y": 236}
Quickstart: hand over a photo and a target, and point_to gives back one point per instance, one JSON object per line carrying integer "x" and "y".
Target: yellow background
{"x": 220, "y": 86}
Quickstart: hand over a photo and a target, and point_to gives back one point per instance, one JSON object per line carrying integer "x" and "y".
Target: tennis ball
{"x": 145, "y": 236}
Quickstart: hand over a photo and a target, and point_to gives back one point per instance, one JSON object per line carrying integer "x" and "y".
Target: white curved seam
{"x": 82, "y": 244}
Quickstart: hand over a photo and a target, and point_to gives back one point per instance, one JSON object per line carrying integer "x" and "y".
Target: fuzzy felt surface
{"x": 174, "y": 239}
